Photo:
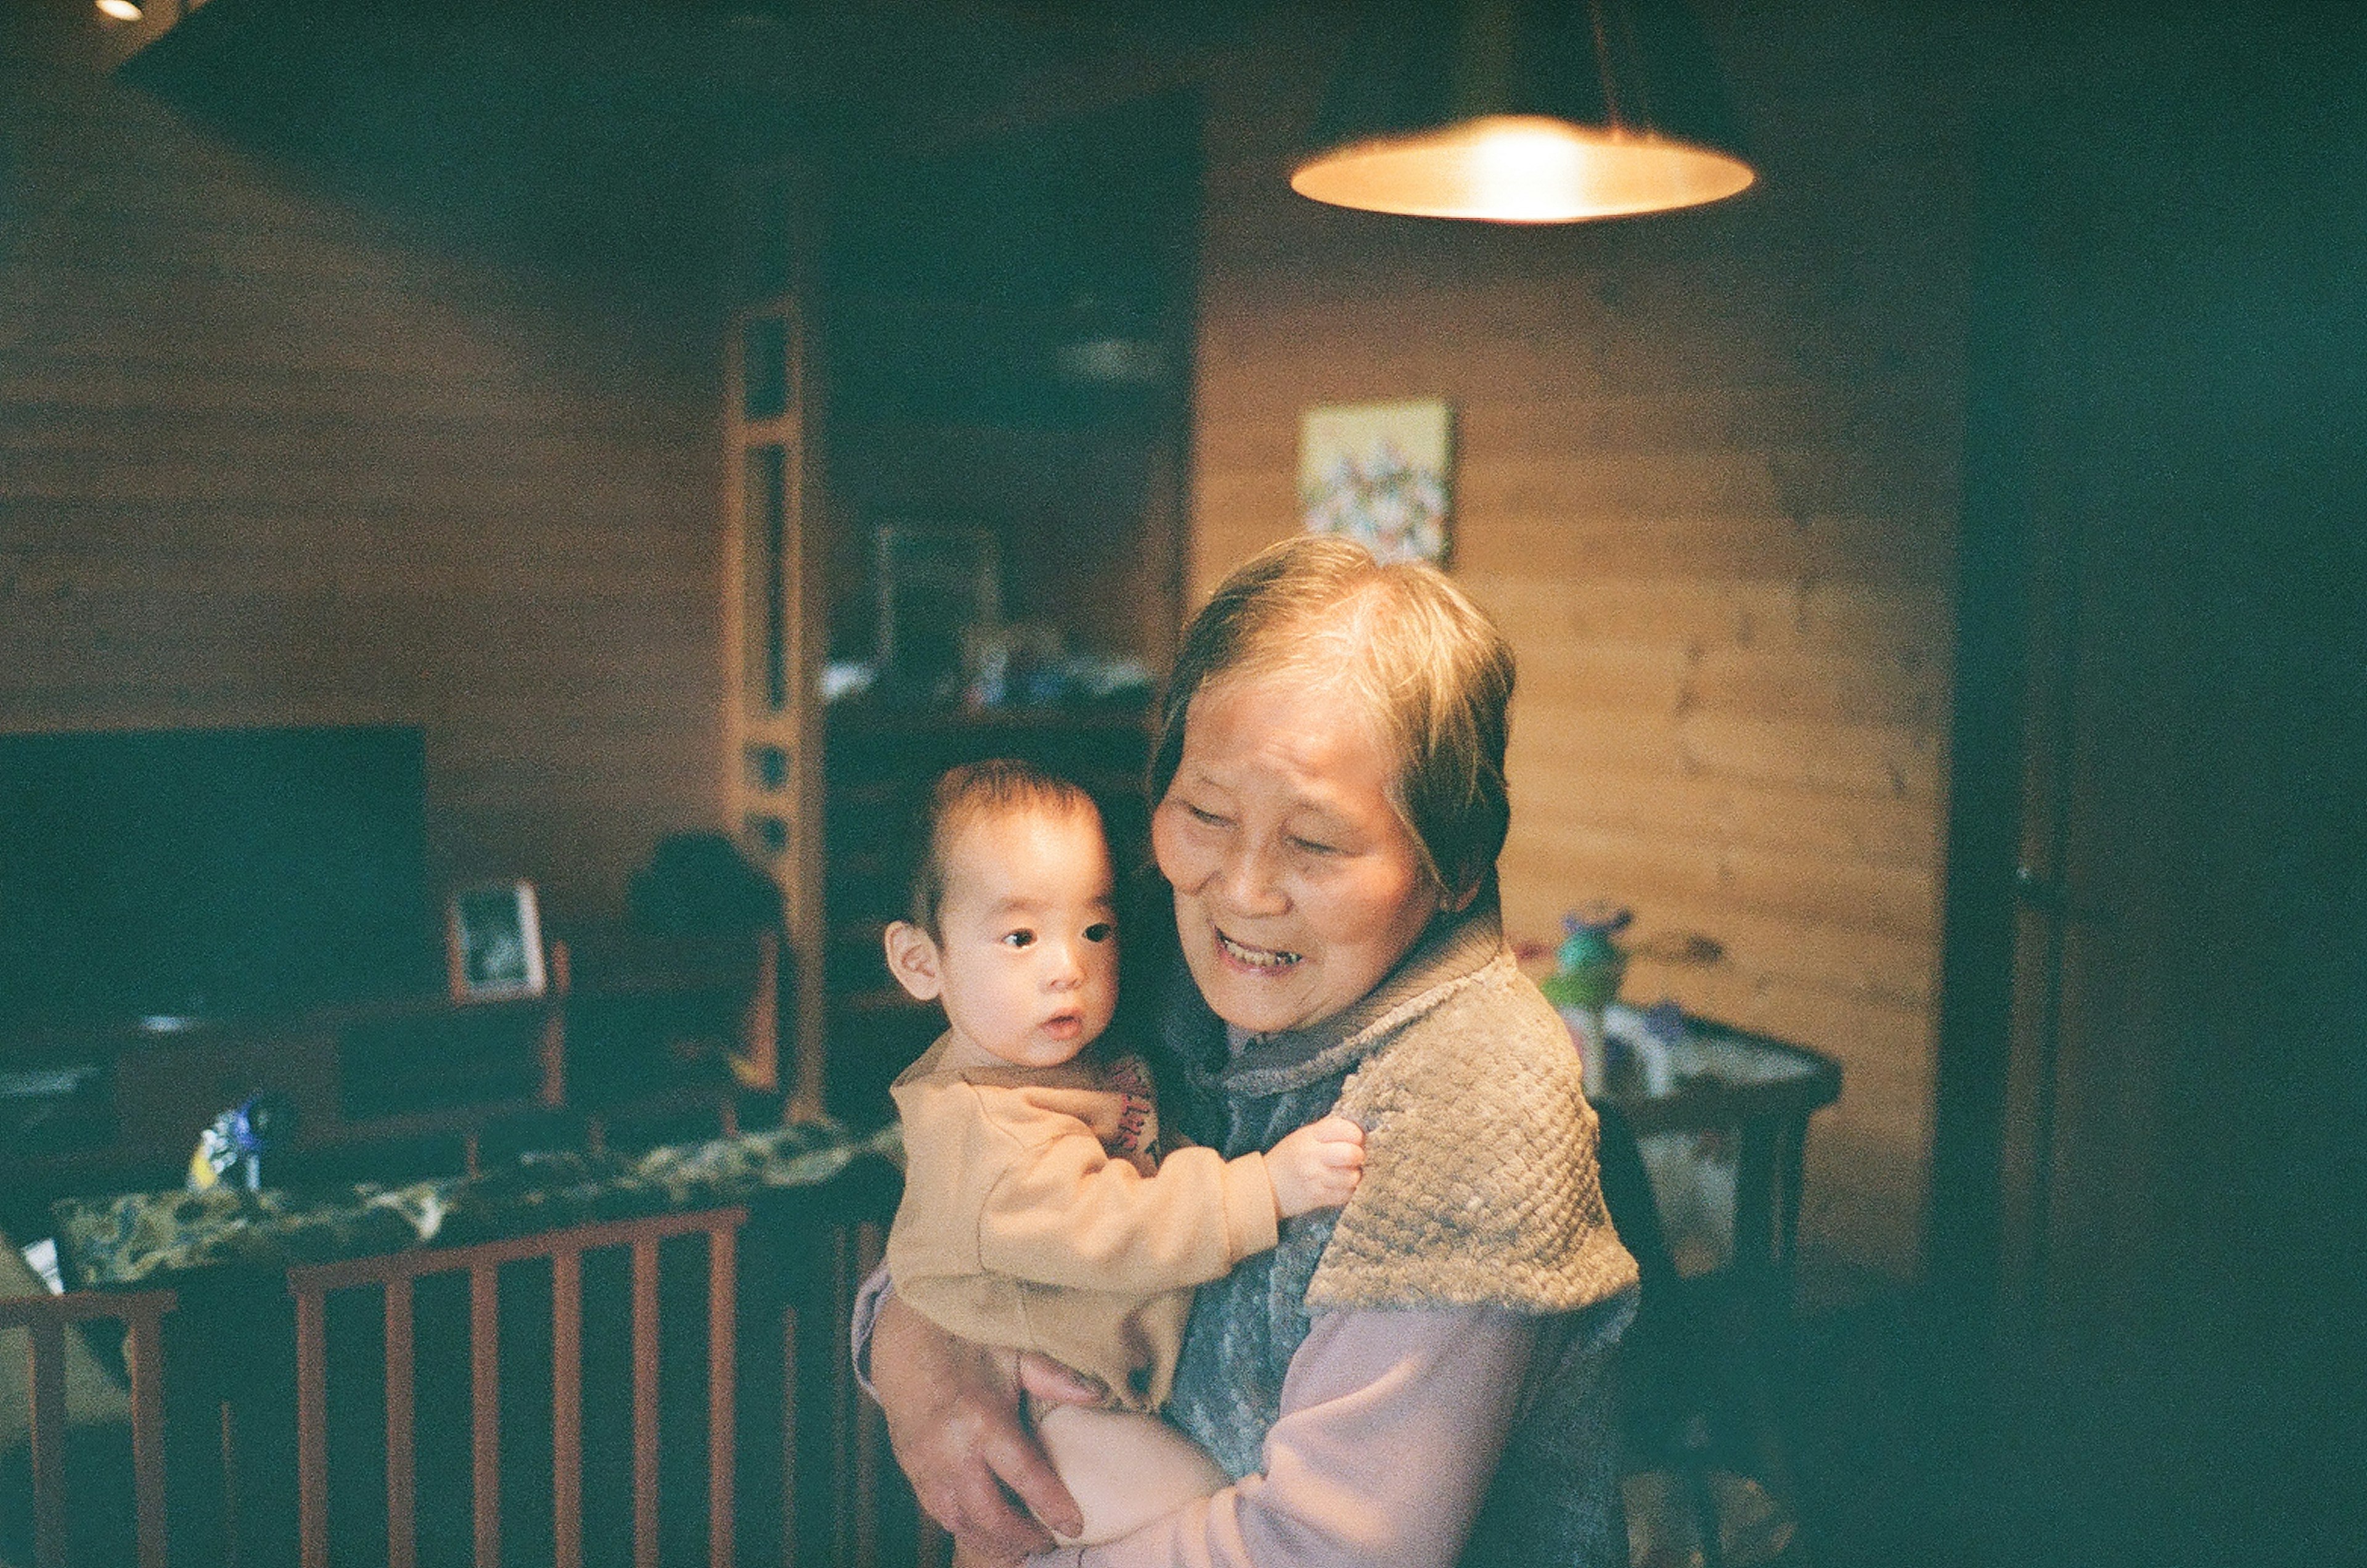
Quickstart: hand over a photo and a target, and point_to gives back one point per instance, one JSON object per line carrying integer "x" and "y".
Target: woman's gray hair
{"x": 1431, "y": 670}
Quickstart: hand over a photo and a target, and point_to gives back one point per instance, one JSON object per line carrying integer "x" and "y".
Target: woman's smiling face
{"x": 1298, "y": 884}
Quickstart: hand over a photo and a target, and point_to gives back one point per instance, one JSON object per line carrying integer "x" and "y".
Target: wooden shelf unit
{"x": 771, "y": 783}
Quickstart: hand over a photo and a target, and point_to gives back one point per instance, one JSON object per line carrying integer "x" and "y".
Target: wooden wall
{"x": 1707, "y": 483}
{"x": 266, "y": 460}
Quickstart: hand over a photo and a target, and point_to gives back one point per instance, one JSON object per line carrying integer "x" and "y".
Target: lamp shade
{"x": 1523, "y": 111}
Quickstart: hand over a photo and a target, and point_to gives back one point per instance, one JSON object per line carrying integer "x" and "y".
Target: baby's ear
{"x": 913, "y": 959}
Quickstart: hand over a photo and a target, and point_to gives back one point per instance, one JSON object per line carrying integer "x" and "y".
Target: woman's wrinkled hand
{"x": 954, "y": 1421}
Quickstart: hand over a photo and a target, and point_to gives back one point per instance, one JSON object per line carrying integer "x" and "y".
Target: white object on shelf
{"x": 42, "y": 1258}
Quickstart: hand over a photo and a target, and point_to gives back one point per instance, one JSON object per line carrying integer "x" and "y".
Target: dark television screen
{"x": 195, "y": 873}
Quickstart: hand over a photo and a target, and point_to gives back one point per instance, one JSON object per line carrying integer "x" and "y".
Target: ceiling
{"x": 1007, "y": 151}
{"x": 800, "y": 75}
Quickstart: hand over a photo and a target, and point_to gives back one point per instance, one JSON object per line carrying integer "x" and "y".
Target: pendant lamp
{"x": 1523, "y": 111}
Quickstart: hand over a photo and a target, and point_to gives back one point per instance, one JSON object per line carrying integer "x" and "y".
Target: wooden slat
{"x": 566, "y": 1409}
{"x": 401, "y": 1489}
{"x": 311, "y": 1430}
{"x": 1883, "y": 761}
{"x": 1776, "y": 614}
{"x": 645, "y": 1404}
{"x": 45, "y": 1353}
{"x": 1890, "y": 900}
{"x": 143, "y": 1359}
{"x": 790, "y": 1437}
{"x": 552, "y": 1090}
{"x": 723, "y": 1309}
{"x": 485, "y": 1409}
{"x": 1793, "y": 819}
{"x": 1670, "y": 676}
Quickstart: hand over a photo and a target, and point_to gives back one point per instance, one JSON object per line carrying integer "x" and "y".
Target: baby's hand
{"x": 1317, "y": 1166}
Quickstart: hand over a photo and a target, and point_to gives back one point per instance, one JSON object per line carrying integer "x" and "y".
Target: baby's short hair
{"x": 1000, "y": 786}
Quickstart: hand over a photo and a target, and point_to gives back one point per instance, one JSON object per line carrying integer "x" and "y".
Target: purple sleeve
{"x": 1391, "y": 1423}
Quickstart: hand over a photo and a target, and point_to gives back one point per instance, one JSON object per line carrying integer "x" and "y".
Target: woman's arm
{"x": 1391, "y": 1423}
{"x": 953, "y": 1419}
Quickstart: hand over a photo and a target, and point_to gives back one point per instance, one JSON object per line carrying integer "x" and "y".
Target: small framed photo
{"x": 493, "y": 943}
{"x": 1382, "y": 474}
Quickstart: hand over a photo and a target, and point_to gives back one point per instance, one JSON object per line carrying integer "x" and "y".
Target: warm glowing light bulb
{"x": 1521, "y": 169}
{"x": 121, "y": 10}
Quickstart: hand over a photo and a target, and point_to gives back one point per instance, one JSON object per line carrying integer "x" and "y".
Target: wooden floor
{"x": 1878, "y": 1461}
{"x": 1909, "y": 1452}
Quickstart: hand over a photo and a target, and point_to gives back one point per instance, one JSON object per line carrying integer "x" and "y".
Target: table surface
{"x": 141, "y": 1238}
{"x": 1712, "y": 1075}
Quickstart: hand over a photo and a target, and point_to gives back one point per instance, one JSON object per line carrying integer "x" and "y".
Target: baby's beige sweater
{"x": 1036, "y": 1216}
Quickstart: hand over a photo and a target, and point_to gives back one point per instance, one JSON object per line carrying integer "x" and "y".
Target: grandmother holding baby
{"x": 1421, "y": 1376}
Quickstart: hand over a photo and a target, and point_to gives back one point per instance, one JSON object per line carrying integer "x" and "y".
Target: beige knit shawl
{"x": 1480, "y": 1185}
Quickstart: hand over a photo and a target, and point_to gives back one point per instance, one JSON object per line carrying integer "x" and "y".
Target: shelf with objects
{"x": 1703, "y": 1160}
{"x": 192, "y": 920}
{"x": 641, "y": 1035}
{"x": 1719, "y": 1114}
{"x": 987, "y": 545}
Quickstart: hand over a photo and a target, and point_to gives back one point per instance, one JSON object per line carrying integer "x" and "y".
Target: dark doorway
{"x": 2155, "y": 936}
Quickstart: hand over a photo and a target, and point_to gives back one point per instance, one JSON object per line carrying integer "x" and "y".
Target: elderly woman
{"x": 1421, "y": 1377}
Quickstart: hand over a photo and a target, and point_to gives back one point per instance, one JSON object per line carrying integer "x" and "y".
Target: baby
{"x": 1037, "y": 1213}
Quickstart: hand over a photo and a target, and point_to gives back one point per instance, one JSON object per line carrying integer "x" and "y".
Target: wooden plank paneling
{"x": 266, "y": 458}
{"x": 1651, "y": 802}
{"x": 1706, "y": 479}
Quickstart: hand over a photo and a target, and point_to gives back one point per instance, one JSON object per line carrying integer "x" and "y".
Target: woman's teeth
{"x": 1255, "y": 957}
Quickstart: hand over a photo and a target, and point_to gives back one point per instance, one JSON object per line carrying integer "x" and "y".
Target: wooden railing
{"x": 45, "y": 1319}
{"x": 808, "y": 1484}
{"x": 395, "y": 1273}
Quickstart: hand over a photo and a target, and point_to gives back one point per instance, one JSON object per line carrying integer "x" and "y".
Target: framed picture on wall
{"x": 492, "y": 942}
{"x": 1381, "y": 474}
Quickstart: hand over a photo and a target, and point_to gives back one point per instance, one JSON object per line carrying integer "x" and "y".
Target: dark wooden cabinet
{"x": 633, "y": 1034}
